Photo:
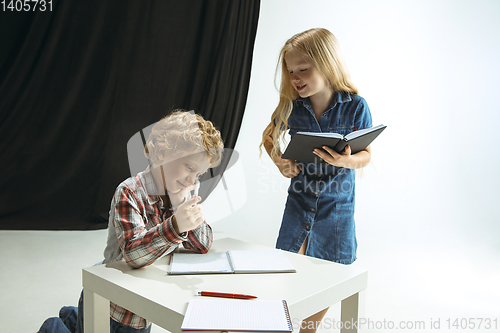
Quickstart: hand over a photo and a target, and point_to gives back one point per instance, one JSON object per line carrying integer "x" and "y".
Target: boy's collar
{"x": 148, "y": 181}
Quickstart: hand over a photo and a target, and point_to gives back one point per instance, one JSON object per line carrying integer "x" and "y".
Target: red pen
{"x": 226, "y": 295}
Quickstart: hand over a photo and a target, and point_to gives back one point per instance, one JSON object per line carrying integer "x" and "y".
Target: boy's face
{"x": 181, "y": 174}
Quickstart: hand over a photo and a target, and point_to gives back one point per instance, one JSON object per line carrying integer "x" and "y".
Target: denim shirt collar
{"x": 338, "y": 97}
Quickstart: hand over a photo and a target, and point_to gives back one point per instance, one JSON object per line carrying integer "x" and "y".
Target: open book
{"x": 264, "y": 261}
{"x": 237, "y": 315}
{"x": 303, "y": 143}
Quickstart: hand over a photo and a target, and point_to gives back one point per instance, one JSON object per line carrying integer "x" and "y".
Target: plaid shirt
{"x": 140, "y": 231}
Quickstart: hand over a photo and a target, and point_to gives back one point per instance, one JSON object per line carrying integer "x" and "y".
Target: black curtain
{"x": 78, "y": 81}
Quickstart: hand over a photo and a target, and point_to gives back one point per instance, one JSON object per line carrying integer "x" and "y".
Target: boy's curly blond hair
{"x": 183, "y": 133}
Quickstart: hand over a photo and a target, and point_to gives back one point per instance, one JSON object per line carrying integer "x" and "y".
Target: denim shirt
{"x": 320, "y": 201}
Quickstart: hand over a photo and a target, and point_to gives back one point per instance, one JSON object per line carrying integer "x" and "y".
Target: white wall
{"x": 426, "y": 215}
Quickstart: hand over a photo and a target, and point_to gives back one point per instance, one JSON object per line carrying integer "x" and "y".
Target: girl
{"x": 317, "y": 95}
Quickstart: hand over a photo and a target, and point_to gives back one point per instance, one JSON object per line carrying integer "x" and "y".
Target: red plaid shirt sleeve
{"x": 199, "y": 239}
{"x": 142, "y": 246}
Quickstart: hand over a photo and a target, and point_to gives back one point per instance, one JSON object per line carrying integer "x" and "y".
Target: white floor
{"x": 41, "y": 271}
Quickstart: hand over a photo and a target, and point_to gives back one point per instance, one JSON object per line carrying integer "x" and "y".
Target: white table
{"x": 163, "y": 299}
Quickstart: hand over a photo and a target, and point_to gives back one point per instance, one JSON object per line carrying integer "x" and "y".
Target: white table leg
{"x": 352, "y": 310}
{"x": 95, "y": 313}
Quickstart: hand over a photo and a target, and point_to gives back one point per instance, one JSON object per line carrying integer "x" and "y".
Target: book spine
{"x": 339, "y": 148}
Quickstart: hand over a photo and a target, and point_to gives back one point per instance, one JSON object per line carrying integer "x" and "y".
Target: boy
{"x": 153, "y": 213}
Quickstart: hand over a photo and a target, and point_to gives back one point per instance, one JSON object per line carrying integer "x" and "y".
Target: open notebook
{"x": 235, "y": 261}
{"x": 237, "y": 315}
{"x": 302, "y": 144}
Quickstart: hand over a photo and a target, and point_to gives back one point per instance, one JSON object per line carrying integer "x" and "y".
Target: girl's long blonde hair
{"x": 323, "y": 49}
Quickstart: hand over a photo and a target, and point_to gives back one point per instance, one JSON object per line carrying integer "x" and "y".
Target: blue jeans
{"x": 65, "y": 323}
{"x": 70, "y": 320}
{"x": 114, "y": 326}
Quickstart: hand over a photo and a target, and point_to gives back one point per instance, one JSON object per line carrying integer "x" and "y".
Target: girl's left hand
{"x": 330, "y": 156}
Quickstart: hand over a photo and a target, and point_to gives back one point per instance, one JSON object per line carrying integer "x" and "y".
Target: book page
{"x": 263, "y": 261}
{"x": 323, "y": 134}
{"x": 355, "y": 134}
{"x": 236, "y": 315}
{"x": 195, "y": 263}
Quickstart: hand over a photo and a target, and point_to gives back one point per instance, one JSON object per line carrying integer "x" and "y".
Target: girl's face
{"x": 304, "y": 76}
{"x": 181, "y": 174}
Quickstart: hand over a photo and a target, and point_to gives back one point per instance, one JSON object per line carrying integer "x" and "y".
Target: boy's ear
{"x": 161, "y": 155}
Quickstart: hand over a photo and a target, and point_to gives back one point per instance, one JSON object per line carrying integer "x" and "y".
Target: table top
{"x": 161, "y": 298}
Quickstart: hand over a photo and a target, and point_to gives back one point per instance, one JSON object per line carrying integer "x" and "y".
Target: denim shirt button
{"x": 312, "y": 209}
{"x": 315, "y": 192}
{"x": 319, "y": 175}
{"x": 308, "y": 227}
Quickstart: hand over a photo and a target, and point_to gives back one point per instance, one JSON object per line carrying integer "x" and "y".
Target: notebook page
{"x": 236, "y": 315}
{"x": 263, "y": 261}
{"x": 195, "y": 263}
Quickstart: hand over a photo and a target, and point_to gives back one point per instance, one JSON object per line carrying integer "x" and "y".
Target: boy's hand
{"x": 188, "y": 216}
{"x": 178, "y": 198}
{"x": 288, "y": 168}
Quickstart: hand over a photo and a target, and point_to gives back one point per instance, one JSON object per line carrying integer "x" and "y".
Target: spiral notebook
{"x": 237, "y": 315}
{"x": 235, "y": 261}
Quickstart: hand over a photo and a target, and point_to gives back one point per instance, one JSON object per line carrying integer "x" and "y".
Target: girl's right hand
{"x": 188, "y": 215}
{"x": 288, "y": 168}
